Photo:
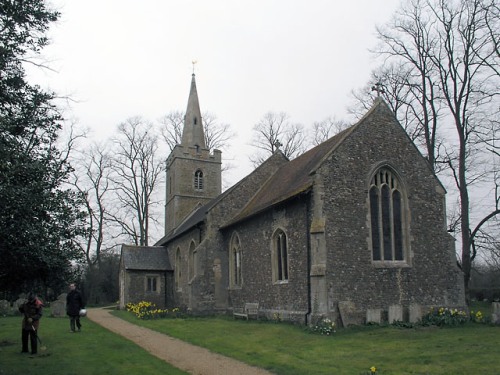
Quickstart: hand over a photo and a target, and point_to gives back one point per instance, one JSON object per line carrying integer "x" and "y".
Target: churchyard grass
{"x": 94, "y": 351}
{"x": 287, "y": 349}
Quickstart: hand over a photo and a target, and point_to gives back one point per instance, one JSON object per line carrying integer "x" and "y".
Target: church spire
{"x": 192, "y": 134}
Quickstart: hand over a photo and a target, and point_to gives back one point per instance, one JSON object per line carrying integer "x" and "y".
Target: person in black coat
{"x": 74, "y": 303}
{"x": 32, "y": 311}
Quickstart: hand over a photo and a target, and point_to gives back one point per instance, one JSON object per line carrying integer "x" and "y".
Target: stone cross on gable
{"x": 277, "y": 144}
{"x": 379, "y": 88}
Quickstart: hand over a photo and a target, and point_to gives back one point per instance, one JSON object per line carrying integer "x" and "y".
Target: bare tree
{"x": 446, "y": 52}
{"x": 409, "y": 78}
{"x": 171, "y": 126}
{"x": 467, "y": 91}
{"x": 137, "y": 174}
{"x": 275, "y": 131}
{"x": 322, "y": 130}
{"x": 92, "y": 180}
{"x": 217, "y": 134}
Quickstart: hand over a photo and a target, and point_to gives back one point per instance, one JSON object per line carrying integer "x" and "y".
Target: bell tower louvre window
{"x": 198, "y": 180}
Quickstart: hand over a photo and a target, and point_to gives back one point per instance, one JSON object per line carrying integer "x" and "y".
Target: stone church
{"x": 353, "y": 229}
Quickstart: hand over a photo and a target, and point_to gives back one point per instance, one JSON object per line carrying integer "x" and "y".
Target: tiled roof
{"x": 292, "y": 179}
{"x": 152, "y": 258}
{"x": 295, "y": 177}
{"x": 199, "y": 214}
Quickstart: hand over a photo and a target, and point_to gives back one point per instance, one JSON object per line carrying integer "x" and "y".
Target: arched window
{"x": 235, "y": 261}
{"x": 198, "y": 180}
{"x": 386, "y": 217}
{"x": 178, "y": 272}
{"x": 280, "y": 256}
{"x": 192, "y": 260}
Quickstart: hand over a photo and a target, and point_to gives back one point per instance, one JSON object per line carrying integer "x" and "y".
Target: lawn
{"x": 94, "y": 351}
{"x": 286, "y": 349}
{"x": 281, "y": 348}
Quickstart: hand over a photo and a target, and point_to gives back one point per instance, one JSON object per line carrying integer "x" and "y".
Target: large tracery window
{"x": 280, "y": 256}
{"x": 198, "y": 180}
{"x": 386, "y": 217}
{"x": 235, "y": 259}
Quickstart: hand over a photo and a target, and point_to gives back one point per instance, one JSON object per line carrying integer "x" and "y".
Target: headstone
{"x": 495, "y": 315}
{"x": 415, "y": 313}
{"x": 5, "y": 307}
{"x": 374, "y": 316}
{"x": 349, "y": 315}
{"x": 58, "y": 308}
{"x": 395, "y": 313}
{"x": 16, "y": 305}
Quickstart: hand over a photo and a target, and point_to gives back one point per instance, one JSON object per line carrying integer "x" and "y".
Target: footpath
{"x": 190, "y": 358}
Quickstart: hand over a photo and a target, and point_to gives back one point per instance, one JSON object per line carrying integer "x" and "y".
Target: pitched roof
{"x": 295, "y": 177}
{"x": 199, "y": 214}
{"x": 148, "y": 258}
{"x": 192, "y": 133}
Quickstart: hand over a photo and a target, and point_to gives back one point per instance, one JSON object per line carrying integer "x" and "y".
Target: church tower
{"x": 193, "y": 173}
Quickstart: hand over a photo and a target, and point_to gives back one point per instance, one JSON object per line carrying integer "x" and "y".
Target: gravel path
{"x": 190, "y": 358}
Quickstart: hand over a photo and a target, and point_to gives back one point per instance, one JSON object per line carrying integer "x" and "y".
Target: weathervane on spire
{"x": 194, "y": 63}
{"x": 379, "y": 88}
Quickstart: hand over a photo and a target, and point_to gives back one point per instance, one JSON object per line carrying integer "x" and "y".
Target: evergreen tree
{"x": 39, "y": 216}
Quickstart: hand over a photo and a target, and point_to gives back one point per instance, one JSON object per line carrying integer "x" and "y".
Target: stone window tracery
{"x": 280, "y": 256}
{"x": 235, "y": 262}
{"x": 193, "y": 259}
{"x": 387, "y": 219}
{"x": 178, "y": 272}
{"x": 152, "y": 284}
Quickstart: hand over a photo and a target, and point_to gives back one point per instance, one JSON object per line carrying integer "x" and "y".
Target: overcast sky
{"x": 122, "y": 58}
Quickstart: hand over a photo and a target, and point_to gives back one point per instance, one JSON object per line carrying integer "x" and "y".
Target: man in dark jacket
{"x": 74, "y": 303}
{"x": 32, "y": 311}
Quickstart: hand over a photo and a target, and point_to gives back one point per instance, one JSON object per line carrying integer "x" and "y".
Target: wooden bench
{"x": 250, "y": 309}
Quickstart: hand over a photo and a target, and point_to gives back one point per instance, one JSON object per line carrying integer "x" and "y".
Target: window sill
{"x": 280, "y": 282}
{"x": 390, "y": 264}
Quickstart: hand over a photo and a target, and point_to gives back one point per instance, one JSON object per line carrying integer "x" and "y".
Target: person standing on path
{"x": 32, "y": 311}
{"x": 74, "y": 303}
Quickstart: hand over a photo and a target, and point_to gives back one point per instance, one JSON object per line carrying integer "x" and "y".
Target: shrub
{"x": 477, "y": 317}
{"x": 148, "y": 310}
{"x": 445, "y": 317}
{"x": 324, "y": 327}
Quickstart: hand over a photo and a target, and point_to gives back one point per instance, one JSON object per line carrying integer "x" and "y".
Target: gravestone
{"x": 395, "y": 313}
{"x": 58, "y": 308}
{"x": 495, "y": 315}
{"x": 5, "y": 307}
{"x": 415, "y": 313}
{"x": 16, "y": 305}
{"x": 349, "y": 315}
{"x": 374, "y": 316}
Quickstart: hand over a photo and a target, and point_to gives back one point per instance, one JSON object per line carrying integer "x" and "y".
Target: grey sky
{"x": 121, "y": 58}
